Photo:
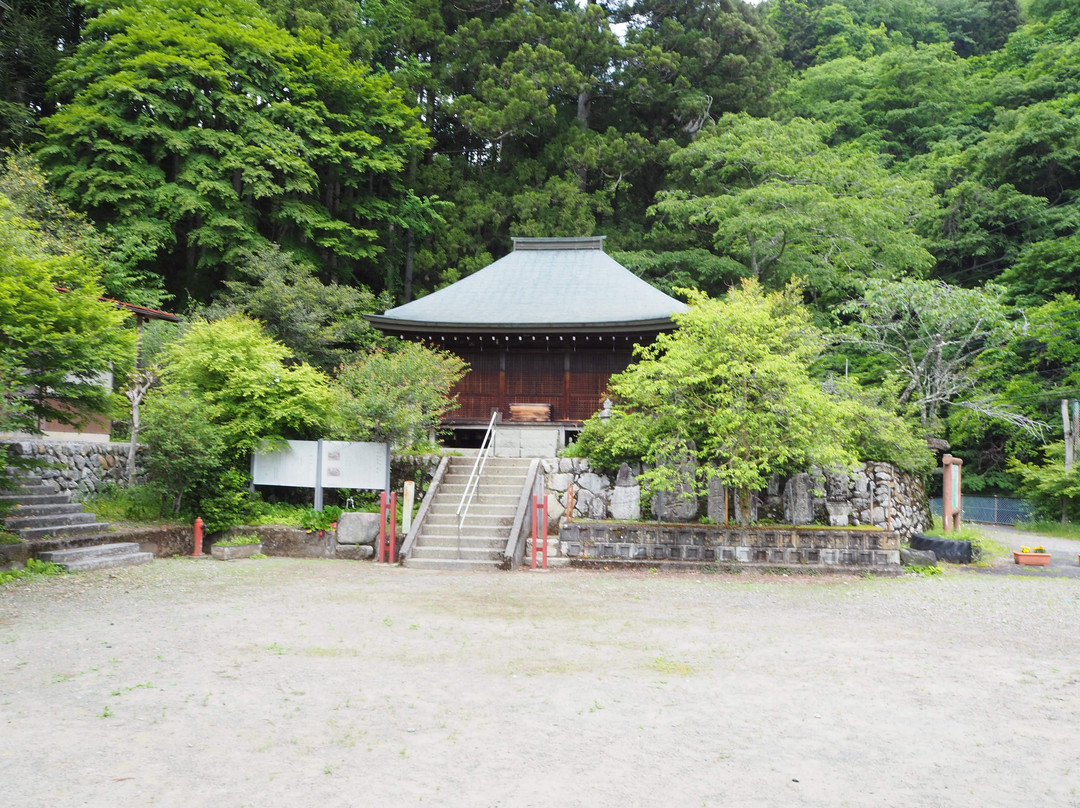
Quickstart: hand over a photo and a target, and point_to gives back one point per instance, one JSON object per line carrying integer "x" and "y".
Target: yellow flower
{"x": 1025, "y": 549}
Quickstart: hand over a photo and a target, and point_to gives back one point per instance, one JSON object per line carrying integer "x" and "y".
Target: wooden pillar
{"x": 566, "y": 388}
{"x": 951, "y": 498}
{"x": 504, "y": 406}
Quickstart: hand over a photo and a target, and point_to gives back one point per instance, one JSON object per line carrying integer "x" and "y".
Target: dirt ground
{"x": 284, "y": 682}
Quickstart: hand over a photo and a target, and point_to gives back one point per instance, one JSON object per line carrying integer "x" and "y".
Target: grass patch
{"x": 33, "y": 569}
{"x": 138, "y": 503}
{"x": 9, "y": 538}
{"x": 239, "y": 541}
{"x": 925, "y": 570}
{"x": 984, "y": 548}
{"x": 1058, "y": 530}
{"x": 671, "y": 667}
{"x": 278, "y": 513}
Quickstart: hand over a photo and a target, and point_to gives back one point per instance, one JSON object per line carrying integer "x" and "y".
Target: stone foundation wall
{"x": 878, "y": 494}
{"x": 825, "y": 547}
{"x": 78, "y": 468}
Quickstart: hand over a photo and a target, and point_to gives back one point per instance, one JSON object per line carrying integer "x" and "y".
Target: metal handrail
{"x": 477, "y": 470}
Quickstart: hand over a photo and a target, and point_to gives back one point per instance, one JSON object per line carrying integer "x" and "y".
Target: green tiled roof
{"x": 542, "y": 285}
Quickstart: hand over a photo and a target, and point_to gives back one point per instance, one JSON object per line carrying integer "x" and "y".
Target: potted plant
{"x": 1032, "y": 557}
{"x": 236, "y": 547}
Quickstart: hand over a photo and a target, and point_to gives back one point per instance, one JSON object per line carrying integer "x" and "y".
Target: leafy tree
{"x": 62, "y": 231}
{"x": 194, "y": 131}
{"x": 398, "y": 395}
{"x": 187, "y": 452}
{"x": 320, "y": 323}
{"x": 246, "y": 383}
{"x": 57, "y": 335}
{"x": 227, "y": 388}
{"x": 777, "y": 202}
{"x": 34, "y": 36}
{"x": 734, "y": 380}
{"x": 724, "y": 59}
{"x": 1049, "y": 486}
{"x": 933, "y": 335}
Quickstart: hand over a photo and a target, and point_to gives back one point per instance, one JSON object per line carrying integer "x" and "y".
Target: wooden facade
{"x": 571, "y": 380}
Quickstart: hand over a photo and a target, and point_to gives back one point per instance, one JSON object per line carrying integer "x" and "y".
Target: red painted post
{"x": 392, "y": 559}
{"x": 198, "y": 536}
{"x": 382, "y": 527}
{"x": 545, "y": 531}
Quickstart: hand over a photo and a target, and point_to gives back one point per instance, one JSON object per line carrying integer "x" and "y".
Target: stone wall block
{"x": 558, "y": 482}
{"x": 625, "y": 502}
{"x": 593, "y": 483}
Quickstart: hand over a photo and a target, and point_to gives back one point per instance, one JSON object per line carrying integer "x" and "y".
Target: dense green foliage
{"x": 353, "y": 153}
{"x": 193, "y": 138}
{"x": 58, "y": 339}
{"x": 398, "y": 394}
{"x": 732, "y": 387}
{"x": 321, "y": 323}
{"x": 227, "y": 389}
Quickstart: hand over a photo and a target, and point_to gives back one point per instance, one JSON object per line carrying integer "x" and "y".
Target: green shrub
{"x": 33, "y": 569}
{"x": 398, "y": 395}
{"x": 1053, "y": 491}
{"x": 320, "y": 520}
{"x": 277, "y": 513}
{"x": 145, "y": 502}
{"x": 239, "y": 541}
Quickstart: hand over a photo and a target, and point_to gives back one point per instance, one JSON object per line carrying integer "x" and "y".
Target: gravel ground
{"x": 284, "y": 682}
{"x": 1064, "y": 562}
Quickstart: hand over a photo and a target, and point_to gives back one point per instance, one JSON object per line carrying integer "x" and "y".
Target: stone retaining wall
{"x": 78, "y": 468}
{"x": 878, "y": 494}
{"x": 765, "y": 546}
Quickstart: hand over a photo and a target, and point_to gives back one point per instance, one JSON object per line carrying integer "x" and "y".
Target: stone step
{"x": 459, "y": 553}
{"x": 441, "y": 509}
{"x": 38, "y": 546}
{"x": 500, "y": 532}
{"x": 22, "y": 491}
{"x": 55, "y": 520}
{"x": 501, "y": 519}
{"x": 34, "y": 533}
{"x": 468, "y": 461}
{"x": 450, "y": 564}
{"x": 95, "y": 551}
{"x": 447, "y": 540}
{"x": 38, "y": 499}
{"x": 462, "y": 480}
{"x": 452, "y": 493}
{"x": 101, "y": 556}
{"x": 21, "y": 511}
{"x": 486, "y": 479}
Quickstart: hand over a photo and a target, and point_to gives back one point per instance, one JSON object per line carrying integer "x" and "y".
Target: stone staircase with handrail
{"x": 481, "y": 541}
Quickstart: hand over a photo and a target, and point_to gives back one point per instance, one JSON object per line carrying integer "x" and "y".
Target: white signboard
{"x": 351, "y": 464}
{"x": 323, "y": 464}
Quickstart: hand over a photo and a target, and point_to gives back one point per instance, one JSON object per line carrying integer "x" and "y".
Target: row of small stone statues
{"x": 878, "y": 494}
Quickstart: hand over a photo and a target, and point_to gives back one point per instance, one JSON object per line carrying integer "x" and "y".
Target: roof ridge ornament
{"x": 575, "y": 243}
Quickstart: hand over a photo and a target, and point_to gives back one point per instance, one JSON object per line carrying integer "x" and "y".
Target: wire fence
{"x": 991, "y": 510}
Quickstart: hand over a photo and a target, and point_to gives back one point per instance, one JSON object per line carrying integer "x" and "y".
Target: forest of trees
{"x": 916, "y": 163}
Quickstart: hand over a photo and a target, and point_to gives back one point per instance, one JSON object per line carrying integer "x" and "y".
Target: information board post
{"x": 318, "y": 476}
{"x": 951, "y": 500}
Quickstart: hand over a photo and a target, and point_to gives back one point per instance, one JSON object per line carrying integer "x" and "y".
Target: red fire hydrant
{"x": 198, "y": 536}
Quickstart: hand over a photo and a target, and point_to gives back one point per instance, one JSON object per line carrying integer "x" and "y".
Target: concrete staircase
{"x": 59, "y": 530}
{"x": 481, "y": 541}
